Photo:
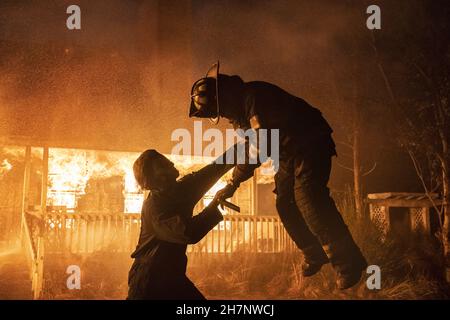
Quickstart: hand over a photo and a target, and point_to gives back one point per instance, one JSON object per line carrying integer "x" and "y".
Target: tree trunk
{"x": 357, "y": 186}
{"x": 446, "y": 209}
{"x": 443, "y": 130}
{"x": 357, "y": 174}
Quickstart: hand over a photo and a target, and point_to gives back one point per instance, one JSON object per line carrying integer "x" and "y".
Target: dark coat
{"x": 266, "y": 106}
{"x": 167, "y": 227}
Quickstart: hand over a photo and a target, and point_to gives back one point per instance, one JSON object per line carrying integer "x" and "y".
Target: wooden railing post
{"x": 39, "y": 268}
{"x": 25, "y": 188}
{"x": 44, "y": 183}
{"x": 254, "y": 194}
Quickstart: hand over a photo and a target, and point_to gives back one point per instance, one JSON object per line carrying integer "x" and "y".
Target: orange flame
{"x": 70, "y": 171}
{"x": 5, "y": 166}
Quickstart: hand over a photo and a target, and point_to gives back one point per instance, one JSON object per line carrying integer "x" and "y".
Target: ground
{"x": 406, "y": 274}
{"x": 411, "y": 268}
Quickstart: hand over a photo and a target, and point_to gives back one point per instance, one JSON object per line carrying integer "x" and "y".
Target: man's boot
{"x": 314, "y": 259}
{"x": 347, "y": 260}
{"x": 349, "y": 278}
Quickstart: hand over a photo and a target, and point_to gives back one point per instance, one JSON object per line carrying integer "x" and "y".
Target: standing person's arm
{"x": 198, "y": 183}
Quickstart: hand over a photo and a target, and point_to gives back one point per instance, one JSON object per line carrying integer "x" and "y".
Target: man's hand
{"x": 214, "y": 203}
{"x": 225, "y": 193}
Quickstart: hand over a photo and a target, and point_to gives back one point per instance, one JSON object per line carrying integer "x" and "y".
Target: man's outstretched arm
{"x": 244, "y": 170}
{"x": 198, "y": 183}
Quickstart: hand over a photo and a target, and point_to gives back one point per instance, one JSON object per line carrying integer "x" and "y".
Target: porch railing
{"x": 32, "y": 239}
{"x": 88, "y": 232}
{"x": 245, "y": 233}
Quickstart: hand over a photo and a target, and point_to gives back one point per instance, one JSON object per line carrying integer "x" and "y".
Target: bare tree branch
{"x": 370, "y": 171}
{"x": 348, "y": 145}
{"x": 345, "y": 167}
{"x": 428, "y": 194}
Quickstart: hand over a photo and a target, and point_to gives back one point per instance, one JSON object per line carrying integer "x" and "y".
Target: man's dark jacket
{"x": 167, "y": 227}
{"x": 266, "y": 106}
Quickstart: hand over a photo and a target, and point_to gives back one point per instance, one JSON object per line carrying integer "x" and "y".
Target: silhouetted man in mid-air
{"x": 306, "y": 148}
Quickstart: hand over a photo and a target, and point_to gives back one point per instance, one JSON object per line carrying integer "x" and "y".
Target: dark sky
{"x": 123, "y": 80}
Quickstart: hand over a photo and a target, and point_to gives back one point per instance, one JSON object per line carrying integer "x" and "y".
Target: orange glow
{"x": 266, "y": 173}
{"x": 212, "y": 192}
{"x": 5, "y": 166}
{"x": 70, "y": 171}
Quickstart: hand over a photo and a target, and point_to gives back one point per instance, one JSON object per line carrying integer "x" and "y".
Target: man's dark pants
{"x": 150, "y": 281}
{"x": 307, "y": 210}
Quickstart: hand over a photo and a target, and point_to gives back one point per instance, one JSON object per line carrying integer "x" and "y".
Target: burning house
{"x": 80, "y": 201}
